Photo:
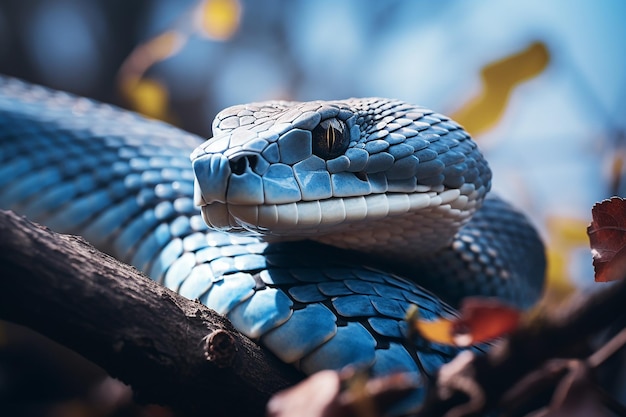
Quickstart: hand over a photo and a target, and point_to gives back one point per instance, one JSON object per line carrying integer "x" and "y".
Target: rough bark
{"x": 171, "y": 350}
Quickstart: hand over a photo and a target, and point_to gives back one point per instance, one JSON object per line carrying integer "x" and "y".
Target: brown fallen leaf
{"x": 341, "y": 394}
{"x": 607, "y": 238}
{"x": 314, "y": 397}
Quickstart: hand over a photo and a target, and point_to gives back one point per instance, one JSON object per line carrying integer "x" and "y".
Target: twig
{"x": 610, "y": 348}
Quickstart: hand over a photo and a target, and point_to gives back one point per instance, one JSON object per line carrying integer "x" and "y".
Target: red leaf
{"x": 481, "y": 320}
{"x": 607, "y": 238}
{"x": 484, "y": 319}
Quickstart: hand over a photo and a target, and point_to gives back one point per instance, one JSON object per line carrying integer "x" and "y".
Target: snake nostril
{"x": 238, "y": 166}
{"x": 252, "y": 161}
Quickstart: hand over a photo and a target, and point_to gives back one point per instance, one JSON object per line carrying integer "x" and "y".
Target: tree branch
{"x": 171, "y": 350}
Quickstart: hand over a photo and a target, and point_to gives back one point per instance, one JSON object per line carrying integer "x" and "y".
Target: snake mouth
{"x": 306, "y": 218}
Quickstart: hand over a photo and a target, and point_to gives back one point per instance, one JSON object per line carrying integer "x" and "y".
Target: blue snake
{"x": 320, "y": 222}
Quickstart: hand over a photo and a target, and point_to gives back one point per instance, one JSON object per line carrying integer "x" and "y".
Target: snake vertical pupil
{"x": 330, "y": 139}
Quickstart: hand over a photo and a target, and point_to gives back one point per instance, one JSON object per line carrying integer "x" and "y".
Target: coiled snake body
{"x": 327, "y": 219}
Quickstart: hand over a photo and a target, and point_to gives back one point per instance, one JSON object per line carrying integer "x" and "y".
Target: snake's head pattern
{"x": 292, "y": 170}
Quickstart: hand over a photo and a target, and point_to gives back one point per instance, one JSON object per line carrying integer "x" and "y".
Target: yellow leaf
{"x": 566, "y": 236}
{"x": 499, "y": 79}
{"x": 148, "y": 97}
{"x": 218, "y": 19}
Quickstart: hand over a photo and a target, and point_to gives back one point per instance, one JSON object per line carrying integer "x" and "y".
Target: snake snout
{"x": 211, "y": 178}
{"x": 228, "y": 179}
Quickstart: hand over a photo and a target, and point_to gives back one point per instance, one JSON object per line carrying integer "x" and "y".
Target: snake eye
{"x": 330, "y": 138}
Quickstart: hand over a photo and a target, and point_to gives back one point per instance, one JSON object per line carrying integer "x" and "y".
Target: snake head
{"x": 294, "y": 170}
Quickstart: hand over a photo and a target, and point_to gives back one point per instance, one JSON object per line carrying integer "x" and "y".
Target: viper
{"x": 319, "y": 223}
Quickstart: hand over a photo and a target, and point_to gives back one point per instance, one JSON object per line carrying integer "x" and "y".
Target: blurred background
{"x": 540, "y": 85}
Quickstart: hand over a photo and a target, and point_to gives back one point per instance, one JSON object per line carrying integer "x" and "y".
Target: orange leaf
{"x": 607, "y": 238}
{"x": 437, "y": 331}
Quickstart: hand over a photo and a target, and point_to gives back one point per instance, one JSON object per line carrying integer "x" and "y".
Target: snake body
{"x": 327, "y": 219}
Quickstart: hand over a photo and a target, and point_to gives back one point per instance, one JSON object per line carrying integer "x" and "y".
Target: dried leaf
{"x": 370, "y": 397}
{"x": 607, "y": 238}
{"x": 480, "y": 320}
{"x": 484, "y": 319}
{"x": 437, "y": 331}
{"x": 314, "y": 397}
{"x": 349, "y": 393}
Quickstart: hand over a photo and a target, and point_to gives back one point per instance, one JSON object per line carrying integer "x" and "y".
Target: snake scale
{"x": 326, "y": 220}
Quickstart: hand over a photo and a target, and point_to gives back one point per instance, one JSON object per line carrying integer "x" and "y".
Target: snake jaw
{"x": 338, "y": 215}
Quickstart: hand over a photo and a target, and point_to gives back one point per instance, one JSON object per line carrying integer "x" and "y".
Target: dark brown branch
{"x": 171, "y": 350}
